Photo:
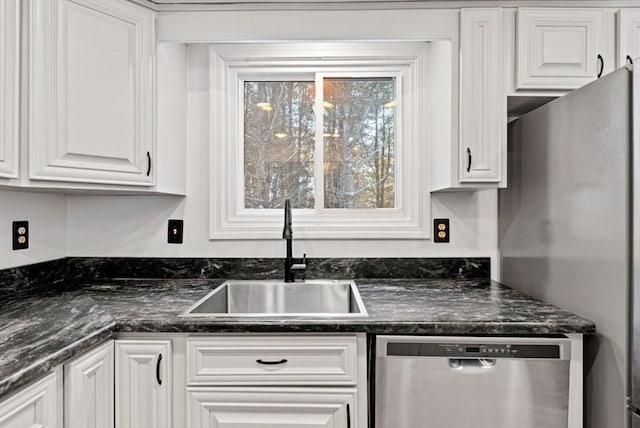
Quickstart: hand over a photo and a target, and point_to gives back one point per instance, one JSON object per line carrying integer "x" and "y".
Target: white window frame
{"x": 232, "y": 64}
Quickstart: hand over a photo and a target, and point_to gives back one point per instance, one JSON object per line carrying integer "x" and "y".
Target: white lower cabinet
{"x": 194, "y": 381}
{"x": 276, "y": 380}
{"x": 89, "y": 388}
{"x": 32, "y": 407}
{"x": 262, "y": 407}
{"x": 143, "y": 384}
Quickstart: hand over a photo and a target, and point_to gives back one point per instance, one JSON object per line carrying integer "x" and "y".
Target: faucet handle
{"x": 300, "y": 264}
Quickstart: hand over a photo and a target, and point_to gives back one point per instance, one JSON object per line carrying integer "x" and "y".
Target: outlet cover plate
{"x": 20, "y": 235}
{"x": 441, "y": 230}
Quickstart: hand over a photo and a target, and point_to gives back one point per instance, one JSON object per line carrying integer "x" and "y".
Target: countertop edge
{"x": 19, "y": 379}
{"x": 25, "y": 376}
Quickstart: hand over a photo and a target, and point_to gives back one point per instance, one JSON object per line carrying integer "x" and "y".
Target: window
{"x": 357, "y": 143}
{"x": 279, "y": 141}
{"x": 334, "y": 127}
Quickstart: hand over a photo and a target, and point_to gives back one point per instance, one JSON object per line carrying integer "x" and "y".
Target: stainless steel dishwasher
{"x": 471, "y": 382}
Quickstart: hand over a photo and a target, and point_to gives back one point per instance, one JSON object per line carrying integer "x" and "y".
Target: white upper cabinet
{"x": 482, "y": 145}
{"x": 91, "y": 92}
{"x": 474, "y": 157}
{"x": 559, "y": 49}
{"x": 89, "y": 389}
{"x": 32, "y": 407}
{"x": 628, "y": 35}
{"x": 9, "y": 87}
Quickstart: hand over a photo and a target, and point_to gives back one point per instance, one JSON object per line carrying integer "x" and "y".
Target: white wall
{"x": 47, "y": 216}
{"x": 136, "y": 226}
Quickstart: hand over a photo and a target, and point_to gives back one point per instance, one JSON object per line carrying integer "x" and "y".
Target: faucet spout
{"x": 290, "y": 264}
{"x": 287, "y": 232}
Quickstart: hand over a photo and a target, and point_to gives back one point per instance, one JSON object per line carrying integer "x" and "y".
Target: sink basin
{"x": 315, "y": 298}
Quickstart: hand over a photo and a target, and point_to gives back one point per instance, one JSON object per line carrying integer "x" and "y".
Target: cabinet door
{"x": 271, "y": 407}
{"x": 628, "y": 35}
{"x": 89, "y": 388}
{"x": 9, "y": 89}
{"x": 558, "y": 48}
{"x": 482, "y": 102}
{"x": 91, "y": 82}
{"x": 33, "y": 407}
{"x": 143, "y": 383}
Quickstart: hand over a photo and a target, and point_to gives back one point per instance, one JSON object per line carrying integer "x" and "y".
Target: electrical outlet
{"x": 20, "y": 235}
{"x": 441, "y": 230}
{"x": 175, "y": 231}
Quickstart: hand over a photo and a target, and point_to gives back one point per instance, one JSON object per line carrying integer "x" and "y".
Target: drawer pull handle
{"x": 272, "y": 363}
{"x": 158, "y": 369}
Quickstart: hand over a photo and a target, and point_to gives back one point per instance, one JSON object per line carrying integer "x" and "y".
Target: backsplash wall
{"x": 256, "y": 268}
{"x": 136, "y": 226}
{"x": 70, "y": 272}
{"x": 47, "y": 216}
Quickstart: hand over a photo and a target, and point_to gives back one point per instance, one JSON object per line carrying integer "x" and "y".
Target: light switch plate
{"x": 174, "y": 233}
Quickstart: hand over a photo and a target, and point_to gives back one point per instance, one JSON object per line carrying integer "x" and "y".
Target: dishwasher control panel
{"x": 472, "y": 350}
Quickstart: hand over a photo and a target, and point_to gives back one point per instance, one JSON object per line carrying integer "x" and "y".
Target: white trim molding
{"x": 405, "y": 60}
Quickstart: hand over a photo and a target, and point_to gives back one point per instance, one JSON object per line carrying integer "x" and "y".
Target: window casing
{"x": 234, "y": 65}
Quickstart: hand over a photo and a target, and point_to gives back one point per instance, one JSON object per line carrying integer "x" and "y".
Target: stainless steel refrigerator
{"x": 569, "y": 226}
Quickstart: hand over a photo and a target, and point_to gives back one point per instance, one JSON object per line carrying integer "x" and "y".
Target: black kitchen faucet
{"x": 290, "y": 264}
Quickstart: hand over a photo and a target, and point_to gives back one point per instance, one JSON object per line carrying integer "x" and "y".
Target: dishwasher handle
{"x": 472, "y": 363}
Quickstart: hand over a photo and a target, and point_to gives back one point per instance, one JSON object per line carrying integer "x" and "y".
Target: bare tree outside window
{"x": 279, "y": 140}
{"x": 358, "y": 143}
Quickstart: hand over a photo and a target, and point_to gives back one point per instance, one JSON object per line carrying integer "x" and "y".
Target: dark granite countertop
{"x": 46, "y": 328}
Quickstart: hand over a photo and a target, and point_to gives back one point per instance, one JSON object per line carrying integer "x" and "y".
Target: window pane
{"x": 279, "y": 132}
{"x": 359, "y": 143}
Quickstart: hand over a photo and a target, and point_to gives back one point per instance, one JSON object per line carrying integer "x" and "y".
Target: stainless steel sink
{"x": 314, "y": 298}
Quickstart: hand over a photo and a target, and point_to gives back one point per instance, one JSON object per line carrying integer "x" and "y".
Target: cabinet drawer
{"x": 271, "y": 360}
{"x": 266, "y": 407}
